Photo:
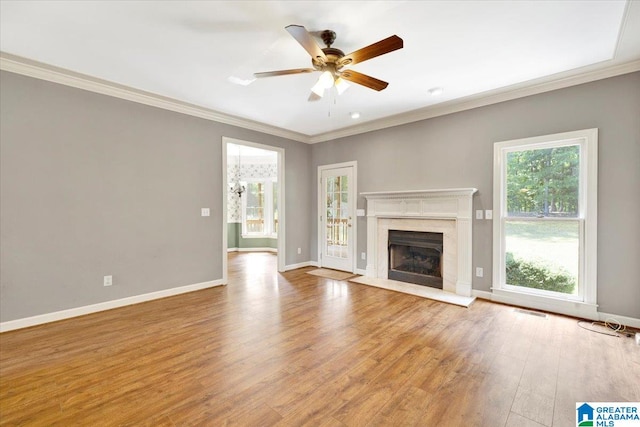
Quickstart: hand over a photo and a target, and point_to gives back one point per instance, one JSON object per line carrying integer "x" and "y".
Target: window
{"x": 545, "y": 201}
{"x": 259, "y": 208}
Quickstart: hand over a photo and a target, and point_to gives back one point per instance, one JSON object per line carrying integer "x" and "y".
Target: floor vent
{"x": 531, "y": 313}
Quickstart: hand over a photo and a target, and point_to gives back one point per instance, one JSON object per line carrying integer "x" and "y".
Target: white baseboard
{"x": 625, "y": 320}
{"x": 482, "y": 294}
{"x": 107, "y": 305}
{"x": 300, "y": 265}
{"x": 361, "y": 271}
{"x": 588, "y": 312}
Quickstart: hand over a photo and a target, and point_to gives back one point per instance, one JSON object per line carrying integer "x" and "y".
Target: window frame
{"x": 587, "y": 140}
{"x": 268, "y": 185}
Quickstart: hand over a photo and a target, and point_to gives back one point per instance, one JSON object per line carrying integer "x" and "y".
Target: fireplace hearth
{"x": 416, "y": 257}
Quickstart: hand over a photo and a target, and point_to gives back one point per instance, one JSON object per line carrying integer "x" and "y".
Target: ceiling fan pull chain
{"x": 333, "y": 97}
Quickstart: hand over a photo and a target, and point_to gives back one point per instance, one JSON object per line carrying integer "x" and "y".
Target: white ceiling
{"x": 187, "y": 50}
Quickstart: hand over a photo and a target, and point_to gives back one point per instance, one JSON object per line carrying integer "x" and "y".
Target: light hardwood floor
{"x": 293, "y": 349}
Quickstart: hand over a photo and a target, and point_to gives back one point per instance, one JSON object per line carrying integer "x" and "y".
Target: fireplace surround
{"x": 447, "y": 211}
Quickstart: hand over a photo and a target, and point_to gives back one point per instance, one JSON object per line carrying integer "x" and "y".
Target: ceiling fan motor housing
{"x": 333, "y": 56}
{"x": 333, "y": 63}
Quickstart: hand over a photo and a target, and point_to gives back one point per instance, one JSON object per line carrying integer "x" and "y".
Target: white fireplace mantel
{"x": 389, "y": 208}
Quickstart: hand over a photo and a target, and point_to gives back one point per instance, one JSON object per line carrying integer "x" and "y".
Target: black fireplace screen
{"x": 416, "y": 257}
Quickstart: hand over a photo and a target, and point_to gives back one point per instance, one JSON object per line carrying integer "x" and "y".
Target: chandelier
{"x": 236, "y": 187}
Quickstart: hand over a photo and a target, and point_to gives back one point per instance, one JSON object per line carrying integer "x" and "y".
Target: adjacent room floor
{"x": 293, "y": 348}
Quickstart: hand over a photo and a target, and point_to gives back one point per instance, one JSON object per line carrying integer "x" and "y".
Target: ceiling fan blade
{"x": 283, "y": 72}
{"x": 303, "y": 37}
{"x": 364, "y": 80}
{"x": 380, "y": 48}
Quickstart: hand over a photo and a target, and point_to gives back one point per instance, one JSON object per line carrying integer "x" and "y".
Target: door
{"x": 337, "y": 212}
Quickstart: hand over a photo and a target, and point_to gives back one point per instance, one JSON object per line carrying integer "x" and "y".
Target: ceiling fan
{"x": 332, "y": 62}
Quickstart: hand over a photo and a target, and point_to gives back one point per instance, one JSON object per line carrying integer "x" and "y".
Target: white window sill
{"x": 546, "y": 303}
{"x": 258, "y": 236}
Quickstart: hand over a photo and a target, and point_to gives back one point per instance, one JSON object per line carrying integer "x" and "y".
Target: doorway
{"x": 253, "y": 200}
{"x": 336, "y": 216}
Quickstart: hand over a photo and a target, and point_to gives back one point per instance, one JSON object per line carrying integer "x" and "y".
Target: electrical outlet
{"x": 363, "y": 255}
{"x": 205, "y": 212}
{"x": 479, "y": 271}
{"x": 479, "y": 214}
{"x": 107, "y": 281}
{"x": 299, "y": 251}
{"x": 488, "y": 214}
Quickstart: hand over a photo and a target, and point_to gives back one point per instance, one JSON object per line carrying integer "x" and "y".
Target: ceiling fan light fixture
{"x": 341, "y": 85}
{"x": 318, "y": 89}
{"x": 326, "y": 80}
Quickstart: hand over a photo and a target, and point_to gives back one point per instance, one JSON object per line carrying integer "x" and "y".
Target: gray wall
{"x": 457, "y": 151}
{"x": 235, "y": 239}
{"x": 92, "y": 185}
{"x": 233, "y": 234}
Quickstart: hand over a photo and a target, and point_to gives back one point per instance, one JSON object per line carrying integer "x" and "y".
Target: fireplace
{"x": 446, "y": 212}
{"x": 416, "y": 257}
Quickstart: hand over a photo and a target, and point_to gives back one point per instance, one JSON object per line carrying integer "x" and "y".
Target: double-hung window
{"x": 545, "y": 191}
{"x": 259, "y": 208}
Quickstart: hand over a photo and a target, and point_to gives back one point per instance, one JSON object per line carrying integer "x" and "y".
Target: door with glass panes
{"x": 336, "y": 218}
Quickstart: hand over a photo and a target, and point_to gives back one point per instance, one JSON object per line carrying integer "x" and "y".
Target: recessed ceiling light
{"x": 355, "y": 115}
{"x": 239, "y": 81}
{"x": 435, "y": 91}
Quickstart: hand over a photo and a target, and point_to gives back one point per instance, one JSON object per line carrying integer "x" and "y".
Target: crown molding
{"x": 520, "y": 90}
{"x": 38, "y": 70}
